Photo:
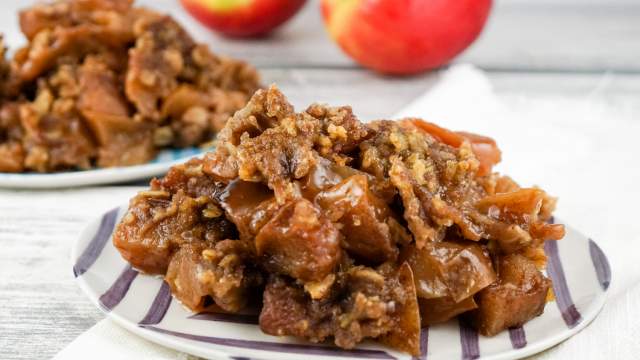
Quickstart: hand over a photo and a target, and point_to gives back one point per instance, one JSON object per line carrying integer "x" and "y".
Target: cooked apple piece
{"x": 518, "y": 296}
{"x": 363, "y": 218}
{"x": 249, "y": 205}
{"x": 300, "y": 242}
{"x": 157, "y": 224}
{"x": 454, "y": 270}
{"x": 197, "y": 272}
{"x": 364, "y": 303}
{"x": 439, "y": 310}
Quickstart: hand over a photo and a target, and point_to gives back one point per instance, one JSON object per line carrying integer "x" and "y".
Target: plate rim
{"x": 594, "y": 309}
{"x": 94, "y": 176}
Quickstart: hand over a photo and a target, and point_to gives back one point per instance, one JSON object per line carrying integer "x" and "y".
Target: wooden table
{"x": 529, "y": 49}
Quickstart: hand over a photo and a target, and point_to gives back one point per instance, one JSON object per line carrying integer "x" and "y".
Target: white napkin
{"x": 581, "y": 148}
{"x": 108, "y": 341}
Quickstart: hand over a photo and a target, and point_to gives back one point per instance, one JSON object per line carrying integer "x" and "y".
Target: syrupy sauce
{"x": 324, "y": 175}
{"x": 247, "y": 204}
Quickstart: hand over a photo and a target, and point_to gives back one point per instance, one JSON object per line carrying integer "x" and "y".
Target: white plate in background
{"x": 100, "y": 176}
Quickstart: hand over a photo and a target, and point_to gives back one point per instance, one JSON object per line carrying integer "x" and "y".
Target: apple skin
{"x": 404, "y": 36}
{"x": 242, "y": 18}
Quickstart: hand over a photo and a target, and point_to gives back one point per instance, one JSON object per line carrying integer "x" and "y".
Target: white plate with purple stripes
{"x": 143, "y": 305}
{"x": 158, "y": 166}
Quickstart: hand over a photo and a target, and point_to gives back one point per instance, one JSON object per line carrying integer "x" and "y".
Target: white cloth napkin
{"x": 581, "y": 148}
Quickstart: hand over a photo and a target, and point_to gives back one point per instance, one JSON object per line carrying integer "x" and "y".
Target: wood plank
{"x": 370, "y": 95}
{"x": 559, "y": 37}
{"x": 41, "y": 307}
{"x": 373, "y": 96}
{"x": 521, "y": 35}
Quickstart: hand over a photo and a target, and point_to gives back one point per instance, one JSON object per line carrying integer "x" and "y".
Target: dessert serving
{"x": 103, "y": 83}
{"x": 338, "y": 230}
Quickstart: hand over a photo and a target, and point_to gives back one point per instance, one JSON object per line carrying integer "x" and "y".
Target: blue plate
{"x": 101, "y": 176}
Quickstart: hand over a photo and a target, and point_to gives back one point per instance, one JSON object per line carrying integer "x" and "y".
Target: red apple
{"x": 404, "y": 36}
{"x": 242, "y": 18}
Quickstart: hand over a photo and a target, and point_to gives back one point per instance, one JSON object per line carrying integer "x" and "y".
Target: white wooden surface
{"x": 534, "y": 51}
{"x": 523, "y": 35}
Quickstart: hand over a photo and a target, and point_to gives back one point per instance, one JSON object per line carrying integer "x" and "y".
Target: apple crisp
{"x": 345, "y": 230}
{"x": 103, "y": 83}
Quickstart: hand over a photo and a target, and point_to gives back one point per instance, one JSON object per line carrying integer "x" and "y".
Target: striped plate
{"x": 157, "y": 166}
{"x": 143, "y": 304}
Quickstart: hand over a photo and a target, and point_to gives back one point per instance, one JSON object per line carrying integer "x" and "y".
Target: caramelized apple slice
{"x": 449, "y": 270}
{"x": 518, "y": 296}
{"x": 439, "y": 310}
{"x": 363, "y": 217}
{"x": 324, "y": 175}
{"x": 405, "y": 336}
{"x": 483, "y": 147}
{"x": 300, "y": 242}
{"x": 528, "y": 208}
{"x": 249, "y": 205}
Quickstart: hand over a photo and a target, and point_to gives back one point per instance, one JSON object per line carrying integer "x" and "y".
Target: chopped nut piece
{"x": 210, "y": 254}
{"x": 320, "y": 289}
{"x": 154, "y": 193}
{"x": 163, "y": 136}
{"x": 212, "y": 211}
